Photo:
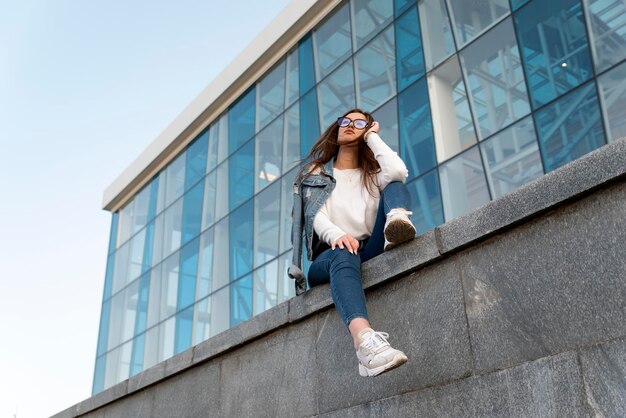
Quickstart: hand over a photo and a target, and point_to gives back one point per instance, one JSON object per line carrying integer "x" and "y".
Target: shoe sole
{"x": 398, "y": 232}
{"x": 398, "y": 360}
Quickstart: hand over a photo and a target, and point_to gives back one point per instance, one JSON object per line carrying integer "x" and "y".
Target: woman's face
{"x": 350, "y": 134}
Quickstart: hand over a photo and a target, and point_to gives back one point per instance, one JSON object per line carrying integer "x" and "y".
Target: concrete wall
{"x": 516, "y": 309}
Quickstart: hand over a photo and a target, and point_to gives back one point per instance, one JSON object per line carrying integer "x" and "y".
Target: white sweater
{"x": 350, "y": 208}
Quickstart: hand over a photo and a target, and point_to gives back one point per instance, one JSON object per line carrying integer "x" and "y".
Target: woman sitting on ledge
{"x": 353, "y": 205}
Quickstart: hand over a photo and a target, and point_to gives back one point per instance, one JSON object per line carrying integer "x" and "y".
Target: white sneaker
{"x": 398, "y": 228}
{"x": 376, "y": 355}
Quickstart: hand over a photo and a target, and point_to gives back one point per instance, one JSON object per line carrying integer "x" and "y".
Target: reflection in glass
{"x": 241, "y": 120}
{"x": 241, "y": 300}
{"x": 266, "y": 224}
{"x": 186, "y": 294}
{"x": 210, "y": 196}
{"x": 309, "y": 122}
{"x": 369, "y": 17}
{"x": 184, "y": 329}
{"x": 376, "y": 71}
{"x": 286, "y": 205}
{"x": 606, "y": 20}
{"x": 171, "y": 182}
{"x": 286, "y": 286}
{"x": 553, "y": 42}
{"x": 291, "y": 141}
{"x": 218, "y": 142}
{"x": 169, "y": 286}
{"x": 306, "y": 64}
{"x": 202, "y": 321}
{"x": 409, "y": 55}
{"x": 516, "y": 4}
{"x": 463, "y": 185}
{"x": 241, "y": 240}
{"x": 333, "y": 42}
{"x": 168, "y": 231}
{"x": 387, "y": 117}
{"x": 512, "y": 158}
{"x": 400, "y": 6}
{"x": 268, "y": 151}
{"x": 166, "y": 339}
{"x": 293, "y": 78}
{"x": 336, "y": 94}
{"x": 134, "y": 216}
{"x": 426, "y": 202}
{"x": 205, "y": 265}
{"x": 222, "y": 193}
{"x": 452, "y": 120}
{"x": 195, "y": 166}
{"x": 265, "y": 287}
{"x": 613, "y": 98}
{"x": 221, "y": 270}
{"x": 271, "y": 92}
{"x": 570, "y": 127}
{"x": 220, "y": 309}
{"x": 241, "y": 175}
{"x": 192, "y": 212}
{"x": 470, "y": 18}
{"x": 151, "y": 354}
{"x": 417, "y": 147}
{"x": 436, "y": 32}
{"x": 495, "y": 80}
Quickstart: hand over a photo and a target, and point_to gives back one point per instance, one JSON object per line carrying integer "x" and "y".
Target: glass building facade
{"x": 478, "y": 98}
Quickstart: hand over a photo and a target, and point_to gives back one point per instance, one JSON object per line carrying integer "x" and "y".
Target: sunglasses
{"x": 357, "y": 123}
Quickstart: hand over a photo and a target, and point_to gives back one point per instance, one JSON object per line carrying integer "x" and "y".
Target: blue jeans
{"x": 343, "y": 269}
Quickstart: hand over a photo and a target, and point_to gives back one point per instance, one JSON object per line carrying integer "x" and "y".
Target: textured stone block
{"x": 604, "y": 373}
{"x": 216, "y": 345}
{"x": 310, "y": 302}
{"x": 147, "y": 377}
{"x": 549, "y": 285}
{"x": 549, "y": 387}
{"x": 106, "y": 396}
{"x": 576, "y": 178}
{"x": 271, "y": 377}
{"x": 179, "y": 362}
{"x": 424, "y": 316}
{"x": 140, "y": 405}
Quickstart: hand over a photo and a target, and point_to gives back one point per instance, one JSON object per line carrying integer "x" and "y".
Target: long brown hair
{"x": 327, "y": 148}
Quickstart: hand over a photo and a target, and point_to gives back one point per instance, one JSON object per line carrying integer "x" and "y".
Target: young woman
{"x": 352, "y": 204}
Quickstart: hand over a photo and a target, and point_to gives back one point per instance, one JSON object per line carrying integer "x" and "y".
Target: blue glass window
{"x": 148, "y": 246}
{"x": 171, "y": 182}
{"x": 104, "y": 328}
{"x": 376, "y": 71}
{"x": 196, "y": 160}
{"x": 192, "y": 212}
{"x": 266, "y": 224}
{"x": 426, "y": 202}
{"x": 241, "y": 175}
{"x": 306, "y": 64}
{"x": 516, "y": 4}
{"x": 293, "y": 78}
{"x": 336, "y": 94}
{"x": 269, "y": 152}
{"x": 400, "y": 6}
{"x": 241, "y": 241}
{"x": 286, "y": 205}
{"x": 202, "y": 321}
{"x": 417, "y": 147}
{"x": 222, "y": 190}
{"x": 136, "y": 358}
{"x": 512, "y": 157}
{"x": 218, "y": 142}
{"x": 221, "y": 252}
{"x": 210, "y": 196}
{"x": 241, "y": 300}
{"x": 98, "y": 375}
{"x": 333, "y": 42}
{"x": 570, "y": 127}
{"x": 554, "y": 48}
{"x": 436, "y": 31}
{"x": 613, "y": 97}
{"x": 370, "y": 17}
{"x": 241, "y": 118}
{"x": 309, "y": 122}
{"x": 188, "y": 272}
{"x": 471, "y": 18}
{"x": 409, "y": 55}
{"x": 265, "y": 287}
{"x": 205, "y": 265}
{"x": 291, "y": 141}
{"x": 113, "y": 231}
{"x": 387, "y": 117}
{"x": 271, "y": 91}
{"x": 607, "y": 29}
{"x": 495, "y": 80}
{"x": 184, "y": 329}
{"x": 463, "y": 184}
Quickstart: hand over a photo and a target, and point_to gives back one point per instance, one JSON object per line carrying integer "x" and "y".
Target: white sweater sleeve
{"x": 325, "y": 228}
{"x": 392, "y": 168}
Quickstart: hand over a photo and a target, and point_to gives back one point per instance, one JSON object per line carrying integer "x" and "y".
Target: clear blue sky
{"x": 84, "y": 88}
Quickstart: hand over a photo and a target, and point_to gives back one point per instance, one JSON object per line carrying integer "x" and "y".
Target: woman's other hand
{"x": 374, "y": 128}
{"x": 347, "y": 241}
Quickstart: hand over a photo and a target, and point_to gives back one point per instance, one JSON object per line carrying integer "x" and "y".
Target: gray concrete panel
{"x": 147, "y": 377}
{"x": 140, "y": 405}
{"x": 310, "y": 302}
{"x": 604, "y": 374}
{"x": 550, "y": 285}
{"x": 549, "y": 387}
{"x": 424, "y": 316}
{"x": 272, "y": 377}
{"x": 106, "y": 396}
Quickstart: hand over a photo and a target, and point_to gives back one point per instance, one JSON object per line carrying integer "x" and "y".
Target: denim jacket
{"x": 309, "y": 195}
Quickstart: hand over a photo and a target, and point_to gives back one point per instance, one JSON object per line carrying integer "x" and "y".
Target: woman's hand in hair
{"x": 347, "y": 241}
{"x": 374, "y": 128}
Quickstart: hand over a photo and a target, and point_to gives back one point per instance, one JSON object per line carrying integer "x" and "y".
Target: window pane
{"x": 470, "y": 18}
{"x": 291, "y": 141}
{"x": 306, "y": 64}
{"x": 166, "y": 339}
{"x": 141, "y": 318}
{"x": 241, "y": 241}
{"x": 151, "y": 354}
{"x": 387, "y": 117}
{"x": 192, "y": 212}
{"x": 169, "y": 286}
{"x": 463, "y": 185}
{"x": 210, "y": 196}
{"x": 426, "y": 202}
{"x": 336, "y": 94}
{"x": 168, "y": 231}
{"x": 606, "y": 20}
{"x": 137, "y": 246}
{"x": 436, "y": 32}
{"x": 221, "y": 270}
{"x": 205, "y": 265}
{"x": 186, "y": 294}
{"x": 613, "y": 97}
{"x": 221, "y": 198}
{"x": 516, "y": 4}
{"x": 269, "y": 150}
{"x": 286, "y": 205}
{"x": 220, "y": 311}
{"x": 417, "y": 147}
{"x": 452, "y": 120}
{"x": 196, "y": 160}
{"x": 286, "y": 285}
{"x": 154, "y": 296}
{"x": 293, "y": 78}
{"x": 409, "y": 58}
{"x": 184, "y": 329}
{"x": 554, "y": 45}
{"x": 121, "y": 264}
{"x": 570, "y": 127}
{"x": 172, "y": 182}
{"x": 241, "y": 120}
{"x": 309, "y": 122}
{"x": 376, "y": 71}
{"x": 265, "y": 287}
{"x": 266, "y": 224}
{"x": 202, "y": 321}
{"x": 495, "y": 80}
{"x": 271, "y": 91}
{"x": 241, "y": 175}
{"x": 400, "y": 6}
{"x": 370, "y": 16}
{"x": 332, "y": 42}
{"x": 512, "y": 158}
{"x": 241, "y": 300}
